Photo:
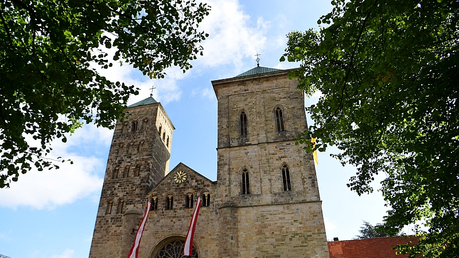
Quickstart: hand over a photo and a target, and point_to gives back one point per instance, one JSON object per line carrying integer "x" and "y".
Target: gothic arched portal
{"x": 172, "y": 248}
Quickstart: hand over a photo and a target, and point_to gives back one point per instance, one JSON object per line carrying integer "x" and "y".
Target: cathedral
{"x": 264, "y": 203}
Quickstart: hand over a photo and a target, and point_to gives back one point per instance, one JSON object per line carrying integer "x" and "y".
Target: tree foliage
{"x": 388, "y": 72}
{"x": 50, "y": 53}
{"x": 369, "y": 231}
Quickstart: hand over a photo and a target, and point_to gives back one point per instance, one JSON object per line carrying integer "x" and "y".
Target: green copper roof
{"x": 147, "y": 101}
{"x": 258, "y": 70}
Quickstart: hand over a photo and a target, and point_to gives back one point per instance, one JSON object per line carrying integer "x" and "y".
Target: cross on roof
{"x": 258, "y": 59}
{"x": 152, "y": 88}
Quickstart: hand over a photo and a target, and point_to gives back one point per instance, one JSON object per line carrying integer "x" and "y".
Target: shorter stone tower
{"x": 138, "y": 160}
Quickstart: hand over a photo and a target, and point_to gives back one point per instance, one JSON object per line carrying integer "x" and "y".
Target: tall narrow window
{"x": 167, "y": 141}
{"x": 115, "y": 173}
{"x": 109, "y": 207}
{"x": 154, "y": 204}
{"x": 205, "y": 200}
{"x": 164, "y": 136}
{"x": 286, "y": 178}
{"x": 137, "y": 170}
{"x": 126, "y": 171}
{"x": 243, "y": 124}
{"x": 169, "y": 202}
{"x": 134, "y": 126}
{"x": 245, "y": 182}
{"x": 279, "y": 120}
{"x": 189, "y": 201}
{"x": 120, "y": 206}
{"x": 159, "y": 130}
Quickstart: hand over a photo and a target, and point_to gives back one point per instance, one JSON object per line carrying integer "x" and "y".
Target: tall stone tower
{"x": 138, "y": 160}
{"x": 267, "y": 192}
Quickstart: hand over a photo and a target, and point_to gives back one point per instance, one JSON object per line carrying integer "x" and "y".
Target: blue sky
{"x": 52, "y": 213}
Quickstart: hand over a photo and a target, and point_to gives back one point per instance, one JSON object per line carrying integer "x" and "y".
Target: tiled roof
{"x": 147, "y": 101}
{"x": 380, "y": 247}
{"x": 258, "y": 70}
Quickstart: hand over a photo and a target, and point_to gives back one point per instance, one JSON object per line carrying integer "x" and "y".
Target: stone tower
{"x": 138, "y": 160}
{"x": 265, "y": 202}
{"x": 267, "y": 192}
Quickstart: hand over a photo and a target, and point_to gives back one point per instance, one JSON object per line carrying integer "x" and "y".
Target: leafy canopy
{"x": 389, "y": 71}
{"x": 369, "y": 231}
{"x": 50, "y": 53}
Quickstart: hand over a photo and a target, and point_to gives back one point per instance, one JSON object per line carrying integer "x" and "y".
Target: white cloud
{"x": 66, "y": 254}
{"x": 50, "y": 188}
{"x": 208, "y": 93}
{"x": 231, "y": 37}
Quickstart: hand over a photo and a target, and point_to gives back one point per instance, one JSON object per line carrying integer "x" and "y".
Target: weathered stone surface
{"x": 267, "y": 222}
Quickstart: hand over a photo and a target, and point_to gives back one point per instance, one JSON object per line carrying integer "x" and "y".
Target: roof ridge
{"x": 147, "y": 101}
{"x": 258, "y": 70}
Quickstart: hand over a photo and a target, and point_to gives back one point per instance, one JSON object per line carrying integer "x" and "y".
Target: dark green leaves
{"x": 388, "y": 72}
{"x": 47, "y": 86}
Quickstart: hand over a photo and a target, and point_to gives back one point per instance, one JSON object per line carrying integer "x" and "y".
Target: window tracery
{"x": 174, "y": 249}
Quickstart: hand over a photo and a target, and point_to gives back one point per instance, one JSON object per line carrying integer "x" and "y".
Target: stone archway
{"x": 172, "y": 248}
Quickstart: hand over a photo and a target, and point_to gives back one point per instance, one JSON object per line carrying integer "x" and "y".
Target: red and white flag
{"x": 188, "y": 248}
{"x": 135, "y": 247}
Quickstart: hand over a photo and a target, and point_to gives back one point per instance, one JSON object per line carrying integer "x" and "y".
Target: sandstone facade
{"x": 265, "y": 202}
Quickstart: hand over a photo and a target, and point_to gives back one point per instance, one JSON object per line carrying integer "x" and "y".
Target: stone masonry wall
{"x": 137, "y": 161}
{"x": 270, "y": 222}
{"x": 165, "y": 223}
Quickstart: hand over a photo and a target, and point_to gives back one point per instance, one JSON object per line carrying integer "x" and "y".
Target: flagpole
{"x": 133, "y": 253}
{"x": 188, "y": 247}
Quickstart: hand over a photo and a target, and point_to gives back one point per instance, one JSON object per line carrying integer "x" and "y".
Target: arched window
{"x": 154, "y": 204}
{"x": 206, "y": 200}
{"x": 134, "y": 126}
{"x": 115, "y": 173}
{"x": 159, "y": 130}
{"x": 126, "y": 171}
{"x": 169, "y": 202}
{"x": 120, "y": 149}
{"x": 120, "y": 207}
{"x": 164, "y": 136}
{"x": 145, "y": 123}
{"x": 109, "y": 207}
{"x": 174, "y": 249}
{"x": 137, "y": 170}
{"x": 279, "y": 120}
{"x": 243, "y": 119}
{"x": 286, "y": 178}
{"x": 167, "y": 141}
{"x": 189, "y": 201}
{"x": 245, "y": 182}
